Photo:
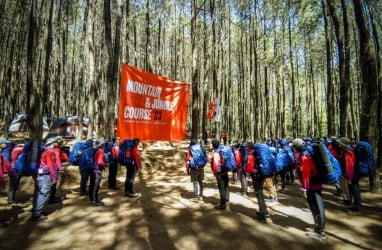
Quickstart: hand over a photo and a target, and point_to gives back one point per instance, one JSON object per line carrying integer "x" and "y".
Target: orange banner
{"x": 151, "y": 107}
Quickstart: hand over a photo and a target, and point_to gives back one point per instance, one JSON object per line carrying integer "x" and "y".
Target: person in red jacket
{"x": 53, "y": 198}
{"x": 347, "y": 160}
{"x": 45, "y": 179}
{"x": 96, "y": 175}
{"x": 132, "y": 169}
{"x": 14, "y": 176}
{"x": 311, "y": 187}
{"x": 220, "y": 175}
{"x": 4, "y": 166}
{"x": 258, "y": 180}
{"x": 113, "y": 165}
{"x": 340, "y": 188}
{"x": 4, "y": 163}
{"x": 195, "y": 171}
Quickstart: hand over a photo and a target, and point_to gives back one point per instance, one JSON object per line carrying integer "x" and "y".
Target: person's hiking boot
{"x": 84, "y": 193}
{"x": 316, "y": 235}
{"x": 345, "y": 202}
{"x": 220, "y": 207}
{"x": 354, "y": 211}
{"x": 195, "y": 199}
{"x": 97, "y": 203}
{"x": 337, "y": 193}
{"x": 115, "y": 188}
{"x": 271, "y": 200}
{"x": 306, "y": 209}
{"x": 266, "y": 215}
{"x": 2, "y": 224}
{"x": 55, "y": 200}
{"x": 261, "y": 218}
{"x": 131, "y": 195}
{"x": 39, "y": 218}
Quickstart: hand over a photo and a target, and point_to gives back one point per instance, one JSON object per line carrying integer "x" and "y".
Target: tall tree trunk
{"x": 346, "y": 77}
{"x": 344, "y": 85}
{"x": 112, "y": 64}
{"x": 34, "y": 98}
{"x": 91, "y": 67}
{"x": 369, "y": 88}
{"x": 372, "y": 14}
{"x": 369, "y": 94}
{"x": 329, "y": 82}
{"x": 195, "y": 74}
{"x": 293, "y": 83}
{"x": 148, "y": 66}
{"x": 254, "y": 80}
{"x": 48, "y": 52}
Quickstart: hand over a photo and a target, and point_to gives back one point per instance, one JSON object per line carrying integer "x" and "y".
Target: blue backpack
{"x": 265, "y": 160}
{"x": 199, "y": 158}
{"x": 327, "y": 166}
{"x": 124, "y": 156}
{"x": 365, "y": 162}
{"x": 108, "y": 149}
{"x": 74, "y": 155}
{"x": 228, "y": 158}
{"x": 6, "y": 152}
{"x": 284, "y": 157}
{"x": 243, "y": 154}
{"x": 86, "y": 160}
{"x": 23, "y": 164}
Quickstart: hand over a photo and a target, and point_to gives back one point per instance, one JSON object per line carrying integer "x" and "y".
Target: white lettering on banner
{"x": 143, "y": 89}
{"x": 163, "y": 105}
{"x": 137, "y": 113}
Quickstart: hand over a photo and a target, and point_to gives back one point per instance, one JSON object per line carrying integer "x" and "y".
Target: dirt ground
{"x": 164, "y": 217}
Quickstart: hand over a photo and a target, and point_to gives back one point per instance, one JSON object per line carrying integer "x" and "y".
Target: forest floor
{"x": 164, "y": 217}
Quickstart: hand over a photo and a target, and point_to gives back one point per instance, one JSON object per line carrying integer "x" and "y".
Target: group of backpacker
{"x": 93, "y": 158}
{"x": 316, "y": 162}
{"x": 41, "y": 161}
{"x": 44, "y": 163}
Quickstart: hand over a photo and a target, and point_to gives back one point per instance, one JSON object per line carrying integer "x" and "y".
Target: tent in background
{"x": 67, "y": 127}
{"x": 20, "y": 124}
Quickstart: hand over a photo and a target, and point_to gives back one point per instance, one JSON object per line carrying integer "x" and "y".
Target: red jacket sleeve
{"x": 136, "y": 157}
{"x": 99, "y": 158}
{"x": 4, "y": 169}
{"x": 48, "y": 161}
{"x": 57, "y": 152}
{"x": 188, "y": 158}
{"x": 115, "y": 151}
{"x": 349, "y": 164}
{"x": 307, "y": 170}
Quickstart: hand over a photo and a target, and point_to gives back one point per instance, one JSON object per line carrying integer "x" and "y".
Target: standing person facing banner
{"x": 53, "y": 198}
{"x": 252, "y": 167}
{"x": 133, "y": 165}
{"x": 113, "y": 150}
{"x": 221, "y": 175}
{"x": 196, "y": 160}
{"x": 45, "y": 179}
{"x": 96, "y": 173}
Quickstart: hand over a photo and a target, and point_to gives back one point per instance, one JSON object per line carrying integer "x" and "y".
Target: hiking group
{"x": 44, "y": 164}
{"x": 340, "y": 162}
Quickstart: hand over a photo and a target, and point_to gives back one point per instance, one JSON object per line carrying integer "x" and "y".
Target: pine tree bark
{"x": 369, "y": 87}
